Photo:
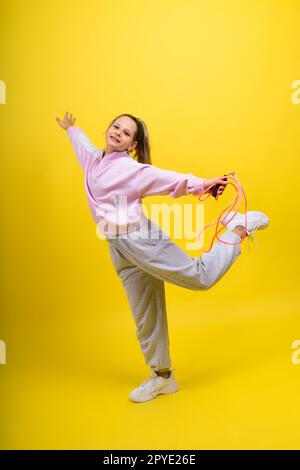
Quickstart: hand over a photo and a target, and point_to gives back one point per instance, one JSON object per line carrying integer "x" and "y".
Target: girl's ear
{"x": 133, "y": 148}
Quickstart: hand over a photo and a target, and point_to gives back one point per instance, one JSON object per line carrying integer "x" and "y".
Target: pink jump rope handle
{"x": 236, "y": 199}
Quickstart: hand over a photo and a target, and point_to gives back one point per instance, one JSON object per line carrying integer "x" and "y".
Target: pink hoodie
{"x": 117, "y": 177}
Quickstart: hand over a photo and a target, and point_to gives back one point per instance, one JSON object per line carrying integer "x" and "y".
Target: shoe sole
{"x": 149, "y": 399}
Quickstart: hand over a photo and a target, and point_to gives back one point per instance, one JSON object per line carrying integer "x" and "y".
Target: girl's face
{"x": 119, "y": 137}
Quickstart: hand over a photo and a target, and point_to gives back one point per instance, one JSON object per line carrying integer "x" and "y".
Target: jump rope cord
{"x": 239, "y": 194}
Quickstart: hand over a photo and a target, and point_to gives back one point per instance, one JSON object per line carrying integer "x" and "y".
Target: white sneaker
{"x": 153, "y": 386}
{"x": 255, "y": 221}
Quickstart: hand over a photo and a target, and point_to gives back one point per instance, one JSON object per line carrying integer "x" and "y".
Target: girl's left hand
{"x": 213, "y": 182}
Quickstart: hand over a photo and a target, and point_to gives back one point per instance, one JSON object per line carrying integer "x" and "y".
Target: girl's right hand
{"x": 211, "y": 184}
{"x": 67, "y": 121}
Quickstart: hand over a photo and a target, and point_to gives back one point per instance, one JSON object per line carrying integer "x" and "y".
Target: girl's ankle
{"x": 165, "y": 375}
{"x": 240, "y": 230}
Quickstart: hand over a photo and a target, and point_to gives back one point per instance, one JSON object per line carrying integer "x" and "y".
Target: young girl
{"x": 143, "y": 254}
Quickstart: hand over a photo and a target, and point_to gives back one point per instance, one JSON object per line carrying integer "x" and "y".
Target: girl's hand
{"x": 67, "y": 121}
{"x": 213, "y": 182}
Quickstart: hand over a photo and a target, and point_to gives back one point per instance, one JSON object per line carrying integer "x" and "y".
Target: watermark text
{"x": 2, "y": 92}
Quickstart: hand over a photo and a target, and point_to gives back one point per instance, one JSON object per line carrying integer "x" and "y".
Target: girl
{"x": 143, "y": 254}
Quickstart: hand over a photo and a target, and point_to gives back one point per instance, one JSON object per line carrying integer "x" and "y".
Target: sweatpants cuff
{"x": 231, "y": 237}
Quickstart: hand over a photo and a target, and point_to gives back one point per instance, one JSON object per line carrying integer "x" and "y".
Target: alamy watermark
{"x": 2, "y": 92}
{"x": 188, "y": 222}
{"x": 296, "y": 94}
{"x": 295, "y": 358}
{"x": 2, "y": 352}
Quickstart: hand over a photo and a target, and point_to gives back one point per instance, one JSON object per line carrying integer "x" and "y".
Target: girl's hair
{"x": 142, "y": 148}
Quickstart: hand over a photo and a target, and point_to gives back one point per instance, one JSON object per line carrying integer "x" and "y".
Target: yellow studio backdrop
{"x": 213, "y": 82}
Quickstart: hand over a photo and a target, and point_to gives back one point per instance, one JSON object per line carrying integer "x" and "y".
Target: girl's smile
{"x": 114, "y": 139}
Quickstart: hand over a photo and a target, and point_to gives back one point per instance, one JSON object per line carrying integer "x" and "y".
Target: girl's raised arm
{"x": 84, "y": 149}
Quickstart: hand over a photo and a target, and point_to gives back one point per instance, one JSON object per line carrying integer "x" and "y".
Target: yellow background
{"x": 212, "y": 81}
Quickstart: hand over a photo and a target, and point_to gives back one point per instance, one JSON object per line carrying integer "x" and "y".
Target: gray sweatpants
{"x": 143, "y": 260}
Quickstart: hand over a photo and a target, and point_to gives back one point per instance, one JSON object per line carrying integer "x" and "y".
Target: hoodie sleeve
{"x": 151, "y": 180}
{"x": 84, "y": 149}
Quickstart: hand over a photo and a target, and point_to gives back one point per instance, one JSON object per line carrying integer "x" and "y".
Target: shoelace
{"x": 251, "y": 238}
{"x": 230, "y": 208}
{"x": 149, "y": 379}
{"x": 153, "y": 378}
